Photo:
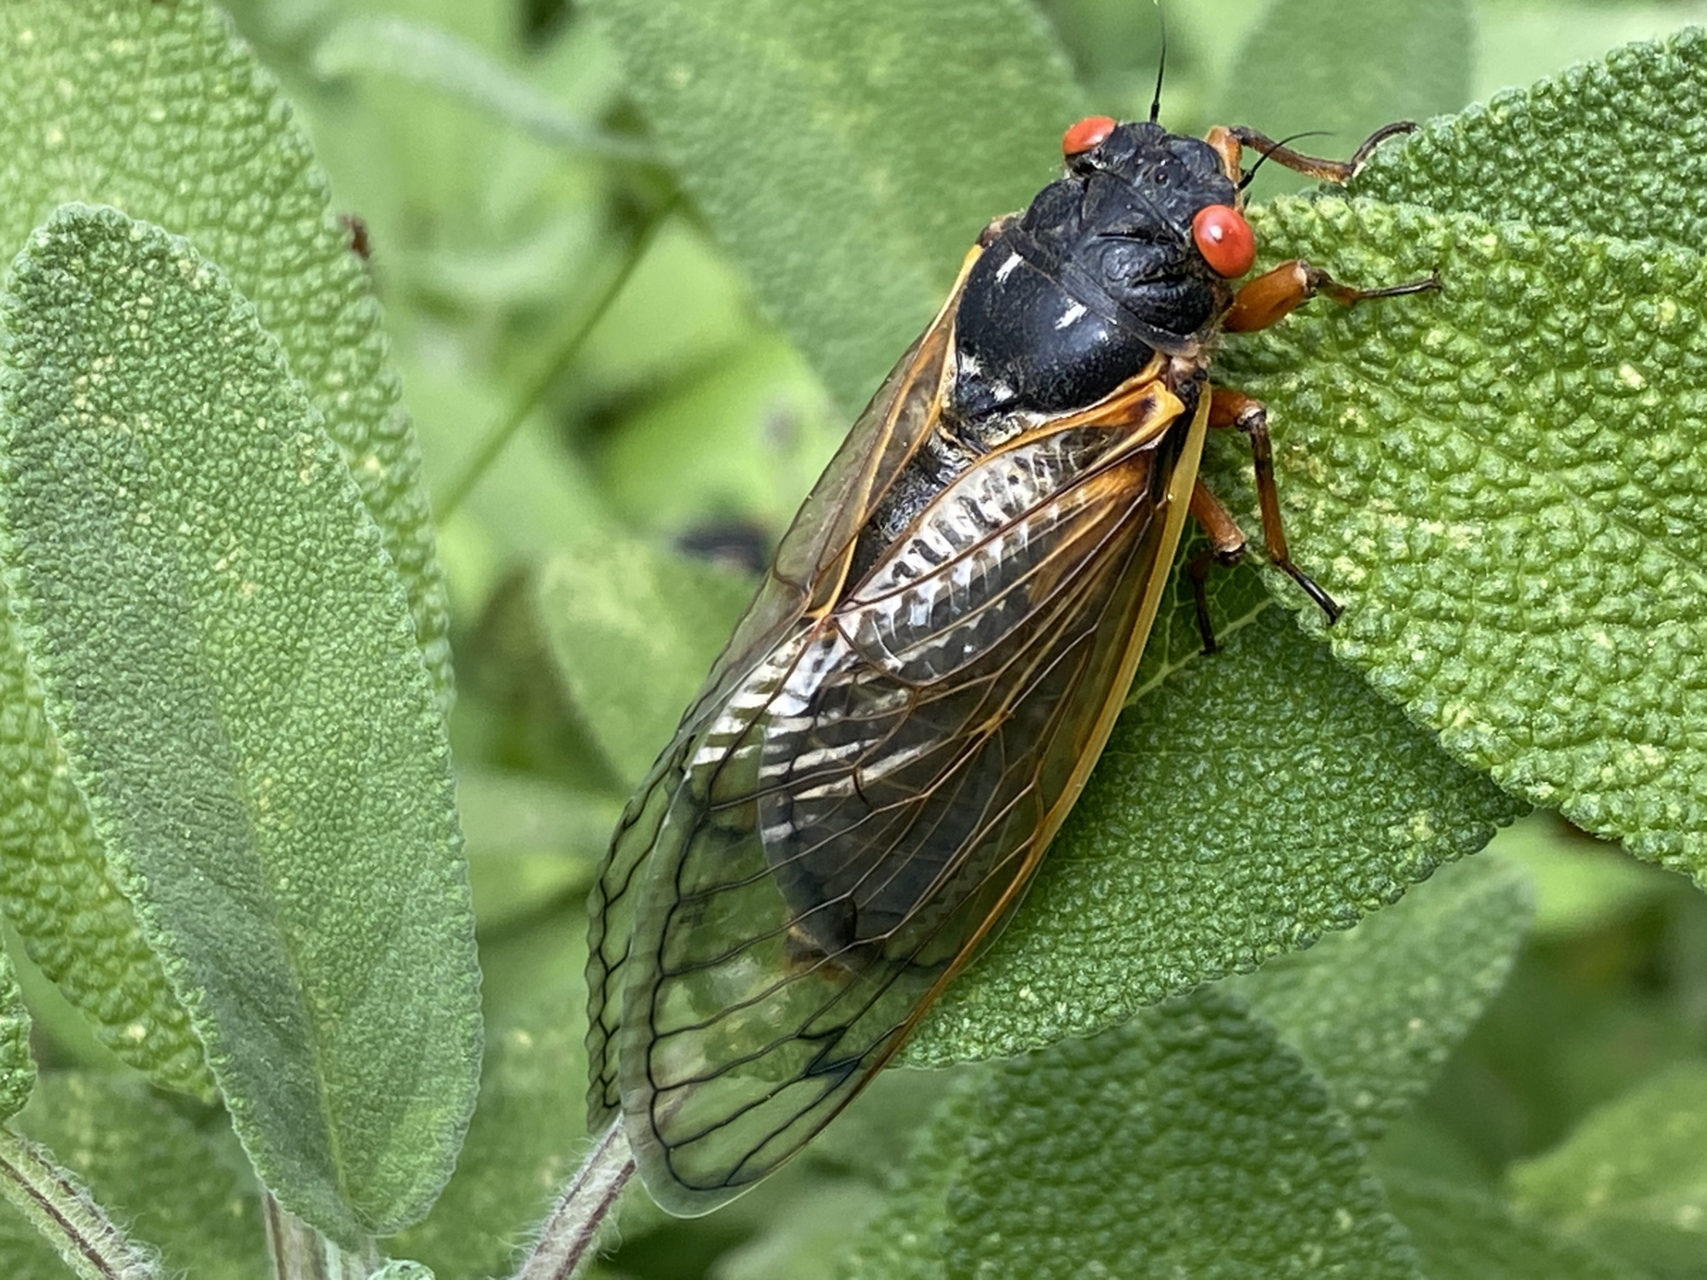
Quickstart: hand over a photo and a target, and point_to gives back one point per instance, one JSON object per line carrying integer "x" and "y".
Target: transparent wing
{"x": 867, "y": 800}
{"x": 807, "y": 573}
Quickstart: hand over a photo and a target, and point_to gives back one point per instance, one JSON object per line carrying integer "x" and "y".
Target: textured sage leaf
{"x": 151, "y": 1166}
{"x": 1234, "y": 597}
{"x": 1615, "y": 147}
{"x": 17, "y": 1066}
{"x": 634, "y": 630}
{"x": 1504, "y": 485}
{"x": 842, "y": 153}
{"x": 1377, "y": 1009}
{"x": 1461, "y": 1233}
{"x": 1188, "y": 1141}
{"x": 228, "y": 658}
{"x": 1252, "y": 802}
{"x": 1347, "y": 67}
{"x": 527, "y": 1135}
{"x": 156, "y": 109}
{"x": 1633, "y": 1176}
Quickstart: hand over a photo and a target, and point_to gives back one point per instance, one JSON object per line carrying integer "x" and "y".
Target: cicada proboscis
{"x": 915, "y": 697}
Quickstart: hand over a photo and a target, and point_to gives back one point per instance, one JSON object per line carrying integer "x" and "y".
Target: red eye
{"x": 1224, "y": 239}
{"x": 1085, "y": 135}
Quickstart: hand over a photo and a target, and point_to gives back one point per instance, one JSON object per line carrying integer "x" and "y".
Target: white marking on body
{"x": 1071, "y": 314}
{"x": 1007, "y": 268}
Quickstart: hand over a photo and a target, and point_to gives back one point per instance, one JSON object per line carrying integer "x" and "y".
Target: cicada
{"x": 913, "y": 701}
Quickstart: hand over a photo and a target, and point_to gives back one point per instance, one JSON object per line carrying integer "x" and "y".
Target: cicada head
{"x": 1157, "y": 222}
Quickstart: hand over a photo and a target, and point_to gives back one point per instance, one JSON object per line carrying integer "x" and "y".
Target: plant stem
{"x": 566, "y": 1239}
{"x": 78, "y": 1228}
{"x": 302, "y": 1253}
{"x": 562, "y": 356}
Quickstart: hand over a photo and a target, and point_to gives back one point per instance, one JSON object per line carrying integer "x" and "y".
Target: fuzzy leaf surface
{"x": 228, "y": 658}
{"x": 1377, "y": 1009}
{"x": 17, "y": 1066}
{"x": 1633, "y": 1176}
{"x": 158, "y": 110}
{"x": 1188, "y": 1141}
{"x": 1248, "y": 804}
{"x": 1614, "y": 147}
{"x": 1504, "y": 485}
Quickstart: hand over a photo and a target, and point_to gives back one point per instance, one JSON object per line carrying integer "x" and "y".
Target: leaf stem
{"x": 566, "y": 1238}
{"x": 562, "y": 356}
{"x": 86, "y": 1238}
{"x": 302, "y": 1253}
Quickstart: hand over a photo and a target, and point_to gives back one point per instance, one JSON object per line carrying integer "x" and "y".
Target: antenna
{"x": 1161, "y": 65}
{"x": 1278, "y": 146}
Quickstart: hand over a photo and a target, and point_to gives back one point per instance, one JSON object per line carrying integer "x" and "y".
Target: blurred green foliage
{"x": 608, "y": 393}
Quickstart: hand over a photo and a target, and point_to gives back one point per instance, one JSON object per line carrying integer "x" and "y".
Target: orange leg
{"x": 1310, "y": 166}
{"x": 1226, "y": 547}
{"x": 1230, "y": 142}
{"x": 1276, "y": 293}
{"x": 1262, "y": 302}
{"x": 1229, "y": 408}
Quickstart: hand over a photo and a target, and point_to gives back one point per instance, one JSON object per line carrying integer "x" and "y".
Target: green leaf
{"x": 17, "y": 1067}
{"x": 1464, "y": 1234}
{"x": 228, "y": 658}
{"x": 839, "y": 150}
{"x": 172, "y": 1171}
{"x": 1611, "y": 148}
{"x": 529, "y": 841}
{"x": 1503, "y": 486}
{"x": 743, "y": 440}
{"x": 527, "y": 1135}
{"x": 1377, "y": 1010}
{"x": 634, "y": 630}
{"x": 1633, "y": 1176}
{"x": 1347, "y": 67}
{"x": 907, "y": 1238}
{"x": 156, "y": 109}
{"x": 1264, "y": 796}
{"x": 390, "y": 45}
{"x": 161, "y": 112}
{"x": 1187, "y": 1142}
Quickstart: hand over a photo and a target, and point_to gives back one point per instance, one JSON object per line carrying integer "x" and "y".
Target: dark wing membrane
{"x": 808, "y": 568}
{"x": 869, "y": 799}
